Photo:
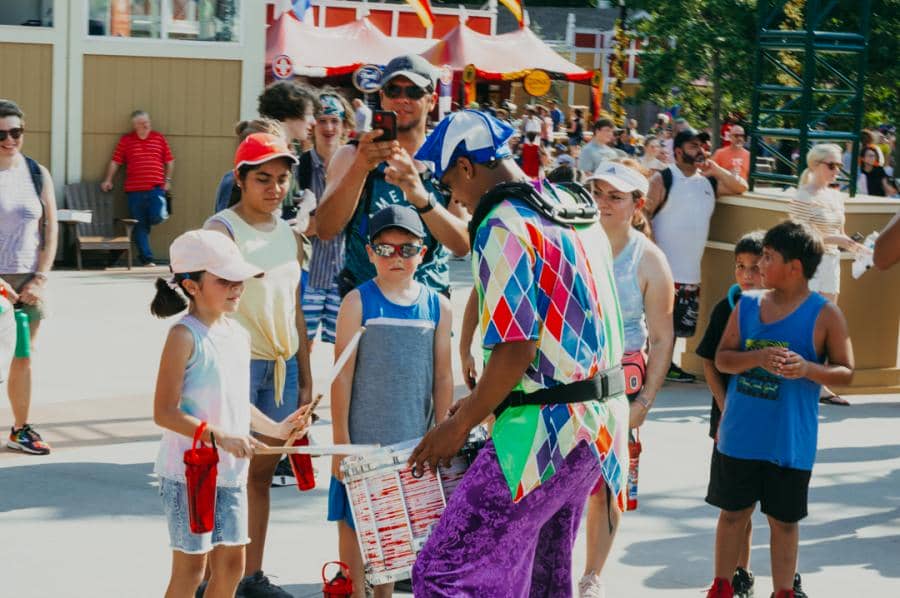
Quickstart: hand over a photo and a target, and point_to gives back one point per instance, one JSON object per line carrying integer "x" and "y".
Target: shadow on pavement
{"x": 685, "y": 559}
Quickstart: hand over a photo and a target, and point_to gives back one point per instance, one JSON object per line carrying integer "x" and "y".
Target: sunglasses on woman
{"x": 406, "y": 250}
{"x": 832, "y": 165}
{"x": 15, "y": 133}
{"x": 410, "y": 91}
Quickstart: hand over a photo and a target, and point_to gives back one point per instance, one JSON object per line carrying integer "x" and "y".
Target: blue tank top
{"x": 391, "y": 398}
{"x": 631, "y": 300}
{"x": 766, "y": 417}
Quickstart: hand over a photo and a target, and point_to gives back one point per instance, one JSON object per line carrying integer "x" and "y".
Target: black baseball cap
{"x": 684, "y": 136}
{"x": 396, "y": 216}
{"x": 413, "y": 67}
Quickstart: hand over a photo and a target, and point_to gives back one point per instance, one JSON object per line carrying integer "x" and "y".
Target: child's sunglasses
{"x": 407, "y": 250}
{"x": 411, "y": 91}
{"x": 14, "y": 133}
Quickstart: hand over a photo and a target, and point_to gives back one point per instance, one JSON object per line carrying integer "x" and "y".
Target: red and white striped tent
{"x": 335, "y": 51}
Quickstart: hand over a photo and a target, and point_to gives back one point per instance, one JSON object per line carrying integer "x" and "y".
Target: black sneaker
{"x": 403, "y": 585}
{"x": 742, "y": 583}
{"x": 676, "y": 374}
{"x": 284, "y": 474}
{"x": 798, "y": 587}
{"x": 259, "y": 586}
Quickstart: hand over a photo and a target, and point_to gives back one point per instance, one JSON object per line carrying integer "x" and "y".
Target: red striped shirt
{"x": 144, "y": 159}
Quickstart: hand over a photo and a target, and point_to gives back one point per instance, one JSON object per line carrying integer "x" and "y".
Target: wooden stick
{"x": 339, "y": 364}
{"x": 333, "y": 449}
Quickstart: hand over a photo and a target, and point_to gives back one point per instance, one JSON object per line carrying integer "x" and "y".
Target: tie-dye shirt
{"x": 539, "y": 281}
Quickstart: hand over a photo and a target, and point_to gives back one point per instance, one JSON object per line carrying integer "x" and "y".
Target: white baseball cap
{"x": 213, "y": 252}
{"x": 621, "y": 177}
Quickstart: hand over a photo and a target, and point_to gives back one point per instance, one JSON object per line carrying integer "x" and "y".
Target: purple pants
{"x": 487, "y": 545}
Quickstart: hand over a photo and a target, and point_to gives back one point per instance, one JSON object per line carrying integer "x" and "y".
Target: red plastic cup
{"x": 302, "y": 466}
{"x": 200, "y": 471}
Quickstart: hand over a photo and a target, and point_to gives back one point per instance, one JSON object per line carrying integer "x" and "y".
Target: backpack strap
{"x": 715, "y": 184}
{"x": 37, "y": 179}
{"x": 667, "y": 180}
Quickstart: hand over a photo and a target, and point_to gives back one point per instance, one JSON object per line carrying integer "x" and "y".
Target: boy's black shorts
{"x": 736, "y": 484}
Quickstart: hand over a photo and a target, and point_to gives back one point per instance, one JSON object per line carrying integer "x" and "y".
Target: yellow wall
{"x": 27, "y": 75}
{"x": 194, "y": 103}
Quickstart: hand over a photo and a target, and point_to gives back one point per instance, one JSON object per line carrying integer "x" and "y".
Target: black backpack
{"x": 667, "y": 180}
{"x": 37, "y": 179}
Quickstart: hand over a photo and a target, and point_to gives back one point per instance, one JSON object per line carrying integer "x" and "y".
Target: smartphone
{"x": 386, "y": 120}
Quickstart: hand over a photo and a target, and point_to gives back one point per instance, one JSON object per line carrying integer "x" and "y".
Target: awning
{"x": 508, "y": 56}
{"x": 331, "y": 51}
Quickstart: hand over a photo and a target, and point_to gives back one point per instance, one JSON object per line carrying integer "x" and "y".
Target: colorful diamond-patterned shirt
{"x": 540, "y": 281}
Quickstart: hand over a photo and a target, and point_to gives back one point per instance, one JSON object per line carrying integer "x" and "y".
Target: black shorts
{"x": 686, "y": 310}
{"x": 736, "y": 484}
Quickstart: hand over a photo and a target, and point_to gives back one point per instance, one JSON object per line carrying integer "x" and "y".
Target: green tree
{"x": 699, "y": 55}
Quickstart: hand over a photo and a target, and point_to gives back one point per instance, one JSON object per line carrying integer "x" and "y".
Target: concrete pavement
{"x": 86, "y": 521}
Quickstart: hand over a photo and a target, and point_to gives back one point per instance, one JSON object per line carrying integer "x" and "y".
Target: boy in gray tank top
{"x": 400, "y": 380}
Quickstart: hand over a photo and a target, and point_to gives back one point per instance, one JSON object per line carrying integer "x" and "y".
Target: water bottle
{"x": 634, "y": 454}
{"x": 23, "y": 335}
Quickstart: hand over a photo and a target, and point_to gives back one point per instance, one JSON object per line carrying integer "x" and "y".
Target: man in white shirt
{"x": 680, "y": 204}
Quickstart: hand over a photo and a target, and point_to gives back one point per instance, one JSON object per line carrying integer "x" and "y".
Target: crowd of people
{"x": 323, "y": 228}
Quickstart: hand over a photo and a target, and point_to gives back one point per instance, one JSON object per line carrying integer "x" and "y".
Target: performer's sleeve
{"x": 507, "y": 286}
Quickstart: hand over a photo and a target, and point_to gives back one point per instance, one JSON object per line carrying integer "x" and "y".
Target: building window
{"x": 29, "y": 13}
{"x": 196, "y": 20}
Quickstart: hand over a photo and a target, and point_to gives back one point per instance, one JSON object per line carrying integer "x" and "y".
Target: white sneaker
{"x": 590, "y": 586}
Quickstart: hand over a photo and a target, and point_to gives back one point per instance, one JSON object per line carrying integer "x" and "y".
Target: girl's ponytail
{"x": 167, "y": 301}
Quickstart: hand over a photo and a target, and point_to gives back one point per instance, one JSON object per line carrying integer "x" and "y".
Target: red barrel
{"x": 341, "y": 586}
{"x": 634, "y": 454}
{"x": 200, "y": 471}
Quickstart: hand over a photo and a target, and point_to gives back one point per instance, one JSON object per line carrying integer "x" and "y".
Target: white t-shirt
{"x": 681, "y": 227}
{"x": 593, "y": 154}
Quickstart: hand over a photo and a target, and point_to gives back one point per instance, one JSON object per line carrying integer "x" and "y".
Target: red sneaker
{"x": 721, "y": 588}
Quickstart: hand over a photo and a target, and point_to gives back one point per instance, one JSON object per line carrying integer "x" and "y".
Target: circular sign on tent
{"x": 446, "y": 74}
{"x": 537, "y": 83}
{"x": 469, "y": 73}
{"x": 282, "y": 67}
{"x": 367, "y": 78}
{"x": 597, "y": 79}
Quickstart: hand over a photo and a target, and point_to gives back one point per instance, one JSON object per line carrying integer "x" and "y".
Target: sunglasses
{"x": 442, "y": 188}
{"x": 406, "y": 250}
{"x": 14, "y": 133}
{"x": 410, "y": 91}
{"x": 832, "y": 165}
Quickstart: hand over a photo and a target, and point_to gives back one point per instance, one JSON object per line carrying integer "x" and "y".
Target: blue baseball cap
{"x": 478, "y": 136}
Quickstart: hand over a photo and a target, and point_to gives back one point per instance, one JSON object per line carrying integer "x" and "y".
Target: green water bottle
{"x": 23, "y": 335}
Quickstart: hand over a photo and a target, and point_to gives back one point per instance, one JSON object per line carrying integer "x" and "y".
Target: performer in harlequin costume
{"x": 552, "y": 336}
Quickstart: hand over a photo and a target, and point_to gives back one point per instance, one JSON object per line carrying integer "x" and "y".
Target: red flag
{"x": 423, "y": 9}
{"x": 517, "y": 8}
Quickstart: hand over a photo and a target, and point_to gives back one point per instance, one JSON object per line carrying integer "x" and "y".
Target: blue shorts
{"x": 262, "y": 388}
{"x": 229, "y": 529}
{"x": 339, "y": 503}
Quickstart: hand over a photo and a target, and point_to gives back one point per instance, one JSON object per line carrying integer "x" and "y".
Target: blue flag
{"x": 300, "y": 7}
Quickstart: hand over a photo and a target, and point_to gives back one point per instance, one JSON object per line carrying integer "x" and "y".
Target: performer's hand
{"x": 470, "y": 374}
{"x": 439, "y": 445}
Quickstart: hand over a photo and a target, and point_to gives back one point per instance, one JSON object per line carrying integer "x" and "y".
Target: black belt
{"x": 608, "y": 383}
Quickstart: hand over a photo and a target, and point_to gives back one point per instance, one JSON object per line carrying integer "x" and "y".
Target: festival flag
{"x": 517, "y": 8}
{"x": 423, "y": 9}
{"x": 300, "y": 7}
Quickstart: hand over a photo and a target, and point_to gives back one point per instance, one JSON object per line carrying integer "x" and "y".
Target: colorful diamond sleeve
{"x": 505, "y": 270}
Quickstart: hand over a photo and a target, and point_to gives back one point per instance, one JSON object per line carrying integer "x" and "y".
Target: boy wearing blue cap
{"x": 553, "y": 337}
{"x": 373, "y": 401}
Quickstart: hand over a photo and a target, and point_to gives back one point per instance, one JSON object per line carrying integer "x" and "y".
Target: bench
{"x": 104, "y": 232}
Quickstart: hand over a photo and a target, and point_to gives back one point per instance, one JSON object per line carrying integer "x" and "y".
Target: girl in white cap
{"x": 204, "y": 377}
{"x": 644, "y": 287}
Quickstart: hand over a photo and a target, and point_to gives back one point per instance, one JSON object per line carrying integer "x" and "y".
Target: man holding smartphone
{"x": 375, "y": 172}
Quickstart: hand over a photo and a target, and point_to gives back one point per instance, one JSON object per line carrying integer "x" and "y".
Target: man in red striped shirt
{"x": 148, "y": 175}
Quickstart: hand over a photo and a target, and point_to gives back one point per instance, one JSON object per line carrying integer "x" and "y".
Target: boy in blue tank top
{"x": 780, "y": 346}
{"x": 400, "y": 379}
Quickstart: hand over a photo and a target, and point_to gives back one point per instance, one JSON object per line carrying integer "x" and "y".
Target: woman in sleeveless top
{"x": 280, "y": 378}
{"x": 644, "y": 285}
{"x": 27, "y": 250}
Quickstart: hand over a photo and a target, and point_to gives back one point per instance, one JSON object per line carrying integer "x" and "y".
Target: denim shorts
{"x": 230, "y": 527}
{"x": 262, "y": 387}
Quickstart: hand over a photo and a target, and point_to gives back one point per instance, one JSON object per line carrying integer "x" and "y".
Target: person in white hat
{"x": 204, "y": 378}
{"x": 644, "y": 286}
